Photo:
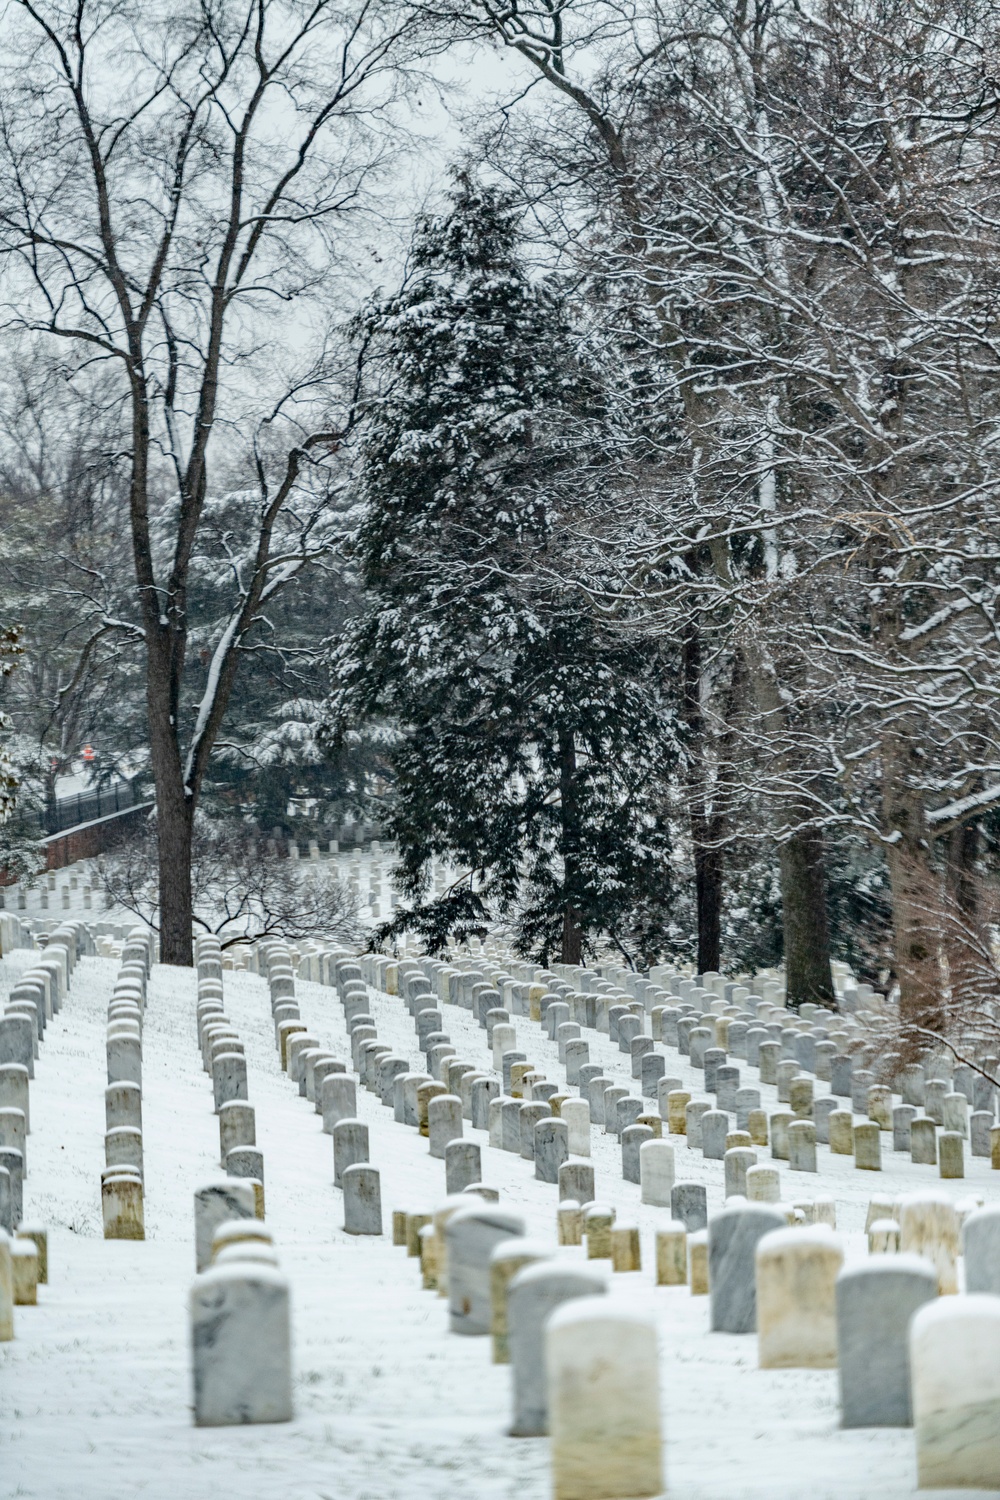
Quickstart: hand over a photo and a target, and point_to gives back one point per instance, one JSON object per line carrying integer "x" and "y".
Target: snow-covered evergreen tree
{"x": 533, "y": 738}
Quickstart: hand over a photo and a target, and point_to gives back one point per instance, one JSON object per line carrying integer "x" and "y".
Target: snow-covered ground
{"x": 94, "y": 1390}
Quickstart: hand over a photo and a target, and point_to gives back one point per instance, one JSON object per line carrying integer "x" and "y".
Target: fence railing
{"x": 86, "y": 807}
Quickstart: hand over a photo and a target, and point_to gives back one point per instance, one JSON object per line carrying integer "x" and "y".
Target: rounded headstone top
{"x": 820, "y": 1236}
{"x": 231, "y": 1230}
{"x": 973, "y": 1309}
{"x": 254, "y": 1250}
{"x": 925, "y": 1197}
{"x": 510, "y": 1249}
{"x": 904, "y": 1262}
{"x": 610, "y": 1309}
{"x": 257, "y": 1272}
{"x": 566, "y": 1268}
{"x": 488, "y": 1214}
{"x": 767, "y": 1211}
{"x": 989, "y": 1214}
{"x": 449, "y": 1205}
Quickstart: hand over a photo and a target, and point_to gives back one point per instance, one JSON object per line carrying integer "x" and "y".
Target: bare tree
{"x": 242, "y": 889}
{"x": 177, "y": 182}
{"x": 635, "y": 91}
{"x": 796, "y": 209}
{"x": 63, "y": 504}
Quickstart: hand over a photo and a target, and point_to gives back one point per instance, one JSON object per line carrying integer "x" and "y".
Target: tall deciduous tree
{"x": 175, "y": 181}
{"x": 636, "y": 145}
{"x": 802, "y": 199}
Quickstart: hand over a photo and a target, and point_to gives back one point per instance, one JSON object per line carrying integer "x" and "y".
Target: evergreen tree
{"x": 532, "y": 739}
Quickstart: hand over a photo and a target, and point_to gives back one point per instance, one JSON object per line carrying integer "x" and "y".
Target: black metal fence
{"x": 87, "y": 807}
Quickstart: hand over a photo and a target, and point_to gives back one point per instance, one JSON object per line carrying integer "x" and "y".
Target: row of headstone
{"x": 777, "y": 1337}
{"x": 795, "y": 1133}
{"x": 123, "y": 1178}
{"x": 33, "y": 1002}
{"x": 646, "y": 1158}
{"x": 322, "y": 1078}
{"x": 224, "y": 1059}
{"x": 902, "y": 1356}
{"x": 743, "y": 1177}
{"x": 798, "y": 1282}
{"x": 513, "y": 1120}
{"x": 522, "y": 1110}
{"x": 583, "y": 1363}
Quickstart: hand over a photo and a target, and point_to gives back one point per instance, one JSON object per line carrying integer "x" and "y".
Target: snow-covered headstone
{"x": 603, "y": 1400}
{"x": 362, "y": 1199}
{"x": 14, "y": 1090}
{"x": 444, "y": 1122}
{"x": 532, "y": 1296}
{"x": 350, "y": 1147}
{"x": 11, "y": 1188}
{"x": 508, "y": 1258}
{"x": 241, "y": 1345}
{"x": 551, "y": 1149}
{"x": 928, "y": 1226}
{"x": 733, "y": 1235}
{"x": 876, "y": 1302}
{"x": 229, "y": 1077}
{"x": 122, "y": 1204}
{"x": 123, "y": 1105}
{"x": 462, "y": 1165}
{"x": 671, "y": 1255}
{"x": 339, "y": 1097}
{"x": 955, "y": 1371}
{"x": 796, "y": 1271}
{"x": 213, "y": 1205}
{"x": 981, "y": 1247}
{"x": 951, "y": 1154}
{"x": 124, "y": 1054}
{"x": 237, "y": 1126}
{"x": 470, "y": 1236}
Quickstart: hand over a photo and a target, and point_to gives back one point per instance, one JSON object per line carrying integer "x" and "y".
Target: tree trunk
{"x": 915, "y": 888}
{"x": 571, "y": 947}
{"x": 963, "y": 853}
{"x": 917, "y": 936}
{"x": 705, "y": 834}
{"x": 808, "y": 975}
{"x": 51, "y": 801}
{"x": 708, "y": 878}
{"x": 174, "y": 825}
{"x": 174, "y": 811}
